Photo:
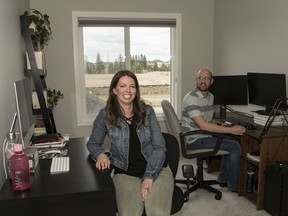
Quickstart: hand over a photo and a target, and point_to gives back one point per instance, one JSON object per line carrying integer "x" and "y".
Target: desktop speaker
{"x": 276, "y": 189}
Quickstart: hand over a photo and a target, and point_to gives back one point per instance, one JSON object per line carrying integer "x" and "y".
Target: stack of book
{"x": 262, "y": 119}
{"x": 48, "y": 141}
{"x": 39, "y": 126}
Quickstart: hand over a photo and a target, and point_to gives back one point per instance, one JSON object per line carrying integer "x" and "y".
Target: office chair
{"x": 172, "y": 158}
{"x": 174, "y": 128}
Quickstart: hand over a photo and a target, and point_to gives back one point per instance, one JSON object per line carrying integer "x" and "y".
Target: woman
{"x": 141, "y": 176}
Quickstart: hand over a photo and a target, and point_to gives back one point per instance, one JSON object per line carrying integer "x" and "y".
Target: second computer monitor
{"x": 229, "y": 90}
{"x": 265, "y": 89}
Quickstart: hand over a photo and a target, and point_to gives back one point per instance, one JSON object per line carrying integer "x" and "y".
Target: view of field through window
{"x": 149, "y": 60}
{"x": 154, "y": 87}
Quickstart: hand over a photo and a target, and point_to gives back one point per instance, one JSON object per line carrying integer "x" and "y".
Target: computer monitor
{"x": 23, "y": 96}
{"x": 229, "y": 90}
{"x": 265, "y": 88}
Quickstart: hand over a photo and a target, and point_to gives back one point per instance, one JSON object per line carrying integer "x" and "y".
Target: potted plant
{"x": 53, "y": 97}
{"x": 41, "y": 25}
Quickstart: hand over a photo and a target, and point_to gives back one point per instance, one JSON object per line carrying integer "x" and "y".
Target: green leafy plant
{"x": 53, "y": 97}
{"x": 41, "y": 25}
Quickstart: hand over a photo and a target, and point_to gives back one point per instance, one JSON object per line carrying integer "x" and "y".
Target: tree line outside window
{"x": 139, "y": 64}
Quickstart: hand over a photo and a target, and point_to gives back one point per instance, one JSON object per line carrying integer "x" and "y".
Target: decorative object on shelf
{"x": 53, "y": 97}
{"x": 40, "y": 61}
{"x": 41, "y": 25}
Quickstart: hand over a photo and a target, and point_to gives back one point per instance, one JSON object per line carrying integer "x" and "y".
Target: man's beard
{"x": 203, "y": 88}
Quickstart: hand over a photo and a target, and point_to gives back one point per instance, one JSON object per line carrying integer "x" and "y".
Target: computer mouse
{"x": 250, "y": 127}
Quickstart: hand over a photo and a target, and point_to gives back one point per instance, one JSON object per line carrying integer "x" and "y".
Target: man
{"x": 197, "y": 113}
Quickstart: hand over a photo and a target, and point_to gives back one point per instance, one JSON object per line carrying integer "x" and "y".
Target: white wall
{"x": 197, "y": 38}
{"x": 227, "y": 36}
{"x": 11, "y": 63}
{"x": 250, "y": 36}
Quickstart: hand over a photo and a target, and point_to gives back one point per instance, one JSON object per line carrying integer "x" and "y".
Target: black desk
{"x": 83, "y": 191}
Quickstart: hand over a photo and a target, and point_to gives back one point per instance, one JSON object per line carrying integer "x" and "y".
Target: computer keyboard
{"x": 234, "y": 121}
{"x": 59, "y": 165}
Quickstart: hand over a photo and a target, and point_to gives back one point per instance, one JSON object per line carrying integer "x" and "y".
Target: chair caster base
{"x": 218, "y": 196}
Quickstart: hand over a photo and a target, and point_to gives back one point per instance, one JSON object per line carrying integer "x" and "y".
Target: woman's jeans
{"x": 128, "y": 195}
{"x": 230, "y": 165}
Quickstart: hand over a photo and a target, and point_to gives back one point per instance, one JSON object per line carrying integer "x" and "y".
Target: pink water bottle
{"x": 20, "y": 170}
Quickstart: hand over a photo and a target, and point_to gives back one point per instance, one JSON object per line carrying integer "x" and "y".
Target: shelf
{"x": 38, "y": 76}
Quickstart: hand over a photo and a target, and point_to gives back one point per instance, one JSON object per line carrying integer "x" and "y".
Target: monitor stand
{"x": 266, "y": 112}
{"x": 262, "y": 112}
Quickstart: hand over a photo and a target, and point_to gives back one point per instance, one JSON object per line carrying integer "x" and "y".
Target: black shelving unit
{"x": 38, "y": 79}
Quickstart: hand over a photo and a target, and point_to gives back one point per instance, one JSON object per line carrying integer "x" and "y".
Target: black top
{"x": 137, "y": 162}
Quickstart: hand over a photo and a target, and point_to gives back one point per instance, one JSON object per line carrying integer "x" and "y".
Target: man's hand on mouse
{"x": 237, "y": 130}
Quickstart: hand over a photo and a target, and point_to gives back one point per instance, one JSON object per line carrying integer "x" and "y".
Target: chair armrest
{"x": 205, "y": 152}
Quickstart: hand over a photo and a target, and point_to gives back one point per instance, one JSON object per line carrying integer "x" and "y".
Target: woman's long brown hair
{"x": 113, "y": 108}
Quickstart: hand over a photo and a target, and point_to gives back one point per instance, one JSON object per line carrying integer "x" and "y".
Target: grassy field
{"x": 147, "y": 79}
{"x": 154, "y": 86}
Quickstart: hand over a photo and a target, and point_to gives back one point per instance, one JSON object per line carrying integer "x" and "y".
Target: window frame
{"x": 84, "y": 119}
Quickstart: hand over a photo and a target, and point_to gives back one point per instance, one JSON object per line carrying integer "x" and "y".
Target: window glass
{"x": 149, "y": 59}
{"x": 104, "y": 55}
{"x": 148, "y": 44}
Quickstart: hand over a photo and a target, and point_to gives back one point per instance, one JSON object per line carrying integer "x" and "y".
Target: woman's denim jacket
{"x": 150, "y": 136}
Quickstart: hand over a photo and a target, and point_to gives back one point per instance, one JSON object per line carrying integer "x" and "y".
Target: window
{"x": 147, "y": 44}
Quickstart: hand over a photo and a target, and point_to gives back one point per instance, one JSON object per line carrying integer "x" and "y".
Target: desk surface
{"x": 82, "y": 190}
{"x": 274, "y": 131}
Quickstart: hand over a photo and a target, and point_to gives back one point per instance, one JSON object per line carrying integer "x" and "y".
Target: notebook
{"x": 45, "y": 138}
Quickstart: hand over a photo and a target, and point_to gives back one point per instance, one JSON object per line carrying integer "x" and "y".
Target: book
{"x": 262, "y": 119}
{"x": 265, "y": 117}
{"x": 46, "y": 138}
{"x": 50, "y": 144}
{"x": 274, "y": 123}
{"x": 39, "y": 131}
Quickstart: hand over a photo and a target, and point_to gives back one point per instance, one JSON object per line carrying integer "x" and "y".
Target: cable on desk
{"x": 239, "y": 113}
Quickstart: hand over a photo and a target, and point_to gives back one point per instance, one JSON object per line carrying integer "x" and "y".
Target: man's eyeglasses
{"x": 203, "y": 78}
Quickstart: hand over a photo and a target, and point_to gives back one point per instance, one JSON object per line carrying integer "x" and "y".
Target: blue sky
{"x": 154, "y": 43}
